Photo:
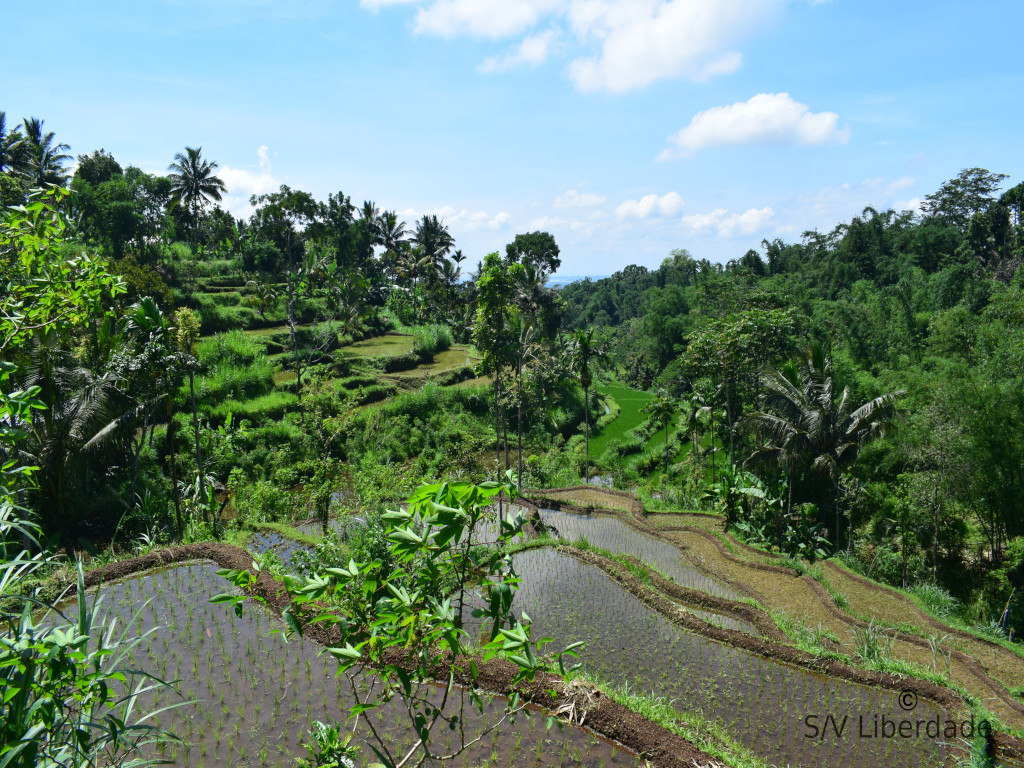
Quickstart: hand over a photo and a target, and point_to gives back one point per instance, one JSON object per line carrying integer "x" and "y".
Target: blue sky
{"x": 625, "y": 128}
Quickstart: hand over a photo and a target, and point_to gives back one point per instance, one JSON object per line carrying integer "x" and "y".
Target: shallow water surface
{"x": 612, "y": 534}
{"x": 761, "y": 703}
{"x": 255, "y": 695}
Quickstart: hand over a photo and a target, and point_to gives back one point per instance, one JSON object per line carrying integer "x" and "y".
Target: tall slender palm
{"x": 662, "y": 408}
{"x": 12, "y": 147}
{"x": 585, "y": 351}
{"x": 433, "y": 237}
{"x": 193, "y": 183}
{"x": 44, "y": 159}
{"x": 415, "y": 265}
{"x": 806, "y": 428}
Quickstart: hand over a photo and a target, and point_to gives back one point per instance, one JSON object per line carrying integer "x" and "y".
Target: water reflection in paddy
{"x": 761, "y": 703}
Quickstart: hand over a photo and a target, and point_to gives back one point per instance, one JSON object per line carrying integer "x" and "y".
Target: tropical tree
{"x": 585, "y": 351}
{"x": 415, "y": 264}
{"x": 662, "y": 408}
{"x": 12, "y": 147}
{"x": 805, "y": 428}
{"x": 44, "y": 159}
{"x": 193, "y": 183}
{"x": 433, "y": 237}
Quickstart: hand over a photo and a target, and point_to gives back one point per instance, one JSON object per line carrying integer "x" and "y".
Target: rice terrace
{"x": 512, "y": 384}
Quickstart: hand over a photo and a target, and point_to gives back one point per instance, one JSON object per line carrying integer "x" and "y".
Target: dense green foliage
{"x": 931, "y": 305}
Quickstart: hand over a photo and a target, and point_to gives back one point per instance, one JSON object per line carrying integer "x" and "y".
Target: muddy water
{"x": 612, "y": 534}
{"x": 761, "y": 703}
{"x": 255, "y": 695}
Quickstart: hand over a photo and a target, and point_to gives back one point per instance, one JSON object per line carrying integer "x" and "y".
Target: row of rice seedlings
{"x": 254, "y": 696}
{"x": 615, "y": 536}
{"x": 763, "y": 701}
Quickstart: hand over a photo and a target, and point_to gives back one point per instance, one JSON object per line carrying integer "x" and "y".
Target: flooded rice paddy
{"x": 255, "y": 695}
{"x": 762, "y": 704}
{"x": 612, "y": 534}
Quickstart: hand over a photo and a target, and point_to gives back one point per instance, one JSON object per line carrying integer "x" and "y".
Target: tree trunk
{"x": 195, "y": 427}
{"x": 586, "y": 424}
{"x": 172, "y": 425}
{"x": 519, "y": 424}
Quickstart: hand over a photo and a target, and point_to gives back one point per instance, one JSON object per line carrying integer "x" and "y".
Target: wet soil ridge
{"x": 943, "y": 697}
{"x": 1009, "y": 747}
{"x": 656, "y": 744}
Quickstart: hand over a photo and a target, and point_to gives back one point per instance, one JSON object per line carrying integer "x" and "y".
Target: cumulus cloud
{"x": 726, "y": 224}
{"x": 532, "y": 51}
{"x": 668, "y": 204}
{"x": 459, "y": 218}
{"x": 481, "y": 18}
{"x": 621, "y": 44}
{"x": 573, "y": 198}
{"x": 243, "y": 183}
{"x": 641, "y": 41}
{"x": 767, "y": 118}
{"x": 584, "y": 226}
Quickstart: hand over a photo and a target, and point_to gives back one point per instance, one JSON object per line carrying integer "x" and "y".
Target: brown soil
{"x": 656, "y": 744}
{"x": 801, "y": 597}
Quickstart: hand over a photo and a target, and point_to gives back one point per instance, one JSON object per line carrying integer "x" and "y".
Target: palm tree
{"x": 44, "y": 160}
{"x": 662, "y": 408}
{"x": 12, "y": 147}
{"x": 415, "y": 265}
{"x": 433, "y": 237}
{"x": 193, "y": 183}
{"x": 84, "y": 413}
{"x": 806, "y": 428}
{"x": 585, "y": 350}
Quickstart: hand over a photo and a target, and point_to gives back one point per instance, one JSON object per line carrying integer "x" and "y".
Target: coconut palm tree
{"x": 44, "y": 159}
{"x": 193, "y": 183}
{"x": 805, "y": 427}
{"x": 585, "y": 351}
{"x": 662, "y": 408}
{"x": 433, "y": 237}
{"x": 415, "y": 265}
{"x": 12, "y": 148}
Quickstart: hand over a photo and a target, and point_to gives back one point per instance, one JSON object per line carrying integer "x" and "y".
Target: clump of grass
{"x": 873, "y": 645}
{"x": 431, "y": 339}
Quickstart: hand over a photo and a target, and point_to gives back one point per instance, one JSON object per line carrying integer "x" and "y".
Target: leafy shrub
{"x": 263, "y": 502}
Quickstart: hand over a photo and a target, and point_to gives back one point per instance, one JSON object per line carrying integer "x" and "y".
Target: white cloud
{"x": 458, "y": 218}
{"x": 727, "y": 225}
{"x": 585, "y": 227}
{"x": 622, "y": 44}
{"x": 913, "y": 204}
{"x": 243, "y": 183}
{"x": 903, "y": 182}
{"x": 668, "y": 204}
{"x": 573, "y": 198}
{"x": 532, "y": 51}
{"x": 481, "y": 18}
{"x": 767, "y": 118}
{"x": 642, "y": 41}
{"x": 376, "y": 5}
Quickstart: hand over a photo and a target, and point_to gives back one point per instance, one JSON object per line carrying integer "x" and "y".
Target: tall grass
{"x": 431, "y": 339}
{"x": 232, "y": 347}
